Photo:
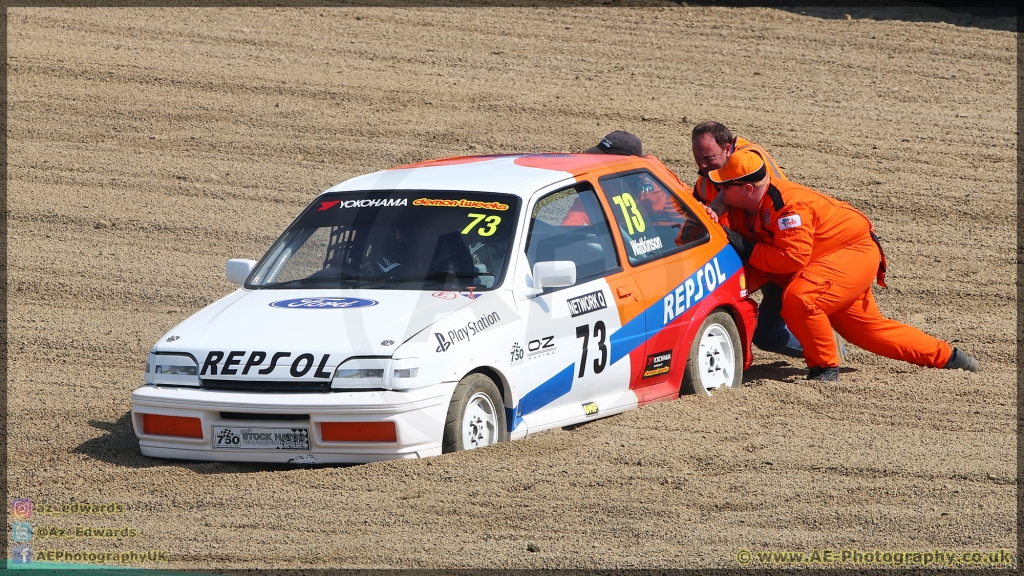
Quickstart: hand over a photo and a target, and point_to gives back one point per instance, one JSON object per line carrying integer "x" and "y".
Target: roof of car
{"x": 520, "y": 174}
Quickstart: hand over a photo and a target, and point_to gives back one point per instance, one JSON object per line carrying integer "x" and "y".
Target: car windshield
{"x": 394, "y": 240}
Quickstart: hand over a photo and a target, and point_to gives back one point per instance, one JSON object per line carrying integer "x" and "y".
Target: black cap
{"x": 618, "y": 142}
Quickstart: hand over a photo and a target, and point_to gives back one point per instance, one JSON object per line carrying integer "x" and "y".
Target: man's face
{"x": 735, "y": 195}
{"x": 708, "y": 154}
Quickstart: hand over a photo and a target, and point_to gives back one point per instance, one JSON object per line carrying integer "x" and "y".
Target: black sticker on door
{"x": 658, "y": 364}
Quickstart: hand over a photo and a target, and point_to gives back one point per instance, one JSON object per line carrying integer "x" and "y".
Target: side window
{"x": 653, "y": 222}
{"x": 570, "y": 225}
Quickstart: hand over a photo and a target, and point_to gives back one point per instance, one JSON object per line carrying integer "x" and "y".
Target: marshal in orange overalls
{"x": 705, "y": 190}
{"x": 825, "y": 254}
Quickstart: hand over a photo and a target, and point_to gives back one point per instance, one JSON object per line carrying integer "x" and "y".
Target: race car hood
{"x": 310, "y": 332}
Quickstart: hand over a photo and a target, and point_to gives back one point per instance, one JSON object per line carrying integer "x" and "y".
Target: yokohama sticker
{"x": 658, "y": 364}
{"x": 372, "y": 203}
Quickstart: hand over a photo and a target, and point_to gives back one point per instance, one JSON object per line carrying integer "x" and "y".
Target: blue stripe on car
{"x": 636, "y": 332}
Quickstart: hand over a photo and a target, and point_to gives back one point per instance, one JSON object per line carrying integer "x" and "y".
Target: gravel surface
{"x": 147, "y": 146}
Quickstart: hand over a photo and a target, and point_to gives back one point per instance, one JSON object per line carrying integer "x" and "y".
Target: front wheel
{"x": 716, "y": 358}
{"x": 476, "y": 416}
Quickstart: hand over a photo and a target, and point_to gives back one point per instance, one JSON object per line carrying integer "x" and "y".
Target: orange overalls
{"x": 705, "y": 191}
{"x": 825, "y": 254}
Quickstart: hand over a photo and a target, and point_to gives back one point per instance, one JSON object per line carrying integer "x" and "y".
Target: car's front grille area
{"x": 273, "y": 417}
{"x": 276, "y": 386}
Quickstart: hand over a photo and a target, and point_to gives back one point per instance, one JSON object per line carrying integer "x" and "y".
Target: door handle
{"x": 623, "y": 291}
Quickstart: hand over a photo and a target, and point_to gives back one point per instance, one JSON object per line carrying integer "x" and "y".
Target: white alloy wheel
{"x": 716, "y": 359}
{"x": 476, "y": 416}
{"x": 479, "y": 423}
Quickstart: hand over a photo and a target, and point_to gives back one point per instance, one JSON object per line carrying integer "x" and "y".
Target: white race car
{"x": 449, "y": 305}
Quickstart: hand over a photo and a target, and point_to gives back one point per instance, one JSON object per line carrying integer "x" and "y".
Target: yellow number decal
{"x": 492, "y": 226}
{"x": 627, "y": 205}
{"x": 476, "y": 220}
{"x": 625, "y": 212}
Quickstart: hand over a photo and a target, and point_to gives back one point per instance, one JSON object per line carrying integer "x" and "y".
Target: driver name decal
{"x": 324, "y": 303}
{"x": 643, "y": 245}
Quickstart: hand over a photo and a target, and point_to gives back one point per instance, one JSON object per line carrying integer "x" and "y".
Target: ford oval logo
{"x": 324, "y": 303}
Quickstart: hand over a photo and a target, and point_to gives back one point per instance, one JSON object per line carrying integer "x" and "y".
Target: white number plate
{"x": 261, "y": 438}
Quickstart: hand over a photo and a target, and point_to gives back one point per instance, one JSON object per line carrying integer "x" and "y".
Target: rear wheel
{"x": 476, "y": 416}
{"x": 716, "y": 358}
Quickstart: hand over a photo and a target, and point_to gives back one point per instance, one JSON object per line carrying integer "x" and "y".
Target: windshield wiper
{"x": 321, "y": 279}
{"x": 460, "y": 275}
{"x": 434, "y": 277}
{"x": 390, "y": 280}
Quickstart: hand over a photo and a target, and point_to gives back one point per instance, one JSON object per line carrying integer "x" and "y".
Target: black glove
{"x": 741, "y": 245}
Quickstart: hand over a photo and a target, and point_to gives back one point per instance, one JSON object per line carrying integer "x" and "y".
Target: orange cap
{"x": 743, "y": 166}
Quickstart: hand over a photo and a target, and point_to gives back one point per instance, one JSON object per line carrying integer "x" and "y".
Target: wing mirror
{"x": 554, "y": 274}
{"x": 238, "y": 270}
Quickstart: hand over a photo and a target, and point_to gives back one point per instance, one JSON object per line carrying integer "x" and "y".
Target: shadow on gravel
{"x": 781, "y": 371}
{"x": 993, "y": 16}
{"x": 120, "y": 447}
{"x": 987, "y": 17}
{"x": 577, "y": 426}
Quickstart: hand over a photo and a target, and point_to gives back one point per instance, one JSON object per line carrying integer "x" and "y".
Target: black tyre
{"x": 716, "y": 356}
{"x": 476, "y": 416}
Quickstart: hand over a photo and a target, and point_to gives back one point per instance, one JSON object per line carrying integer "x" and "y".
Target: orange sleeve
{"x": 793, "y": 238}
{"x": 577, "y": 215}
{"x": 723, "y": 219}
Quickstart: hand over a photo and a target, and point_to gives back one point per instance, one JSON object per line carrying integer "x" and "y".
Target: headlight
{"x": 360, "y": 373}
{"x": 171, "y": 370}
{"x": 404, "y": 372}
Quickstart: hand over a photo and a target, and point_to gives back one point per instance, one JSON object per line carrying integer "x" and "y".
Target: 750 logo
{"x": 228, "y": 438}
{"x": 516, "y": 354}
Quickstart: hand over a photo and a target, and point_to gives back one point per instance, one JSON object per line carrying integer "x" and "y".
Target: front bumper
{"x": 418, "y": 415}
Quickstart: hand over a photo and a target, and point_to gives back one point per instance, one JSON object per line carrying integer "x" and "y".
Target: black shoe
{"x": 824, "y": 374}
{"x": 961, "y": 360}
